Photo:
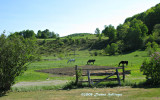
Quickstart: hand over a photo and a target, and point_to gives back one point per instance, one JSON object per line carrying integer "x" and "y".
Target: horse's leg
{"x": 119, "y": 63}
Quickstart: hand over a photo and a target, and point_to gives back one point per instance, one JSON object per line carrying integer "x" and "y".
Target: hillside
{"x": 151, "y": 17}
{"x": 72, "y": 42}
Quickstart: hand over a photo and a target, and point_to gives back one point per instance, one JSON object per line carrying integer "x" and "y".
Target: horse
{"x": 89, "y": 61}
{"x": 123, "y": 62}
{"x": 71, "y": 60}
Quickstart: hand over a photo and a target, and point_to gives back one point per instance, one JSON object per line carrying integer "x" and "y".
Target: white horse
{"x": 71, "y": 60}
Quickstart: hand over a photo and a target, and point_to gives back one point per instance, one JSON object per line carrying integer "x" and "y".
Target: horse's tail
{"x": 127, "y": 63}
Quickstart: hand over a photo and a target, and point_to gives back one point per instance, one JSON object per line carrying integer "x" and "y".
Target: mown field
{"x": 135, "y": 60}
{"x": 117, "y": 93}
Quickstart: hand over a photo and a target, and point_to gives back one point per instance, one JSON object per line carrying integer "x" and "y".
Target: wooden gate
{"x": 94, "y": 82}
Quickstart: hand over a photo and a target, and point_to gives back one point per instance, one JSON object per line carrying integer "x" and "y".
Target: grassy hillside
{"x": 66, "y": 45}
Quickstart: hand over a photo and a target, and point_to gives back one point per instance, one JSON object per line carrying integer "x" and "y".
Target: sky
{"x": 67, "y": 16}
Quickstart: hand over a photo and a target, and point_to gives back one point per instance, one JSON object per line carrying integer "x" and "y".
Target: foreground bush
{"x": 15, "y": 53}
{"x": 151, "y": 68}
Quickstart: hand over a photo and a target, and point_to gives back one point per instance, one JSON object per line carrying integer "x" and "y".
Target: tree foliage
{"x": 97, "y": 32}
{"x": 122, "y": 30}
{"x": 132, "y": 34}
{"x": 25, "y": 33}
{"x": 46, "y": 34}
{"x": 111, "y": 49}
{"x": 110, "y": 31}
{"x": 151, "y": 68}
{"x": 156, "y": 33}
{"x": 151, "y": 17}
{"x": 151, "y": 47}
{"x": 15, "y": 53}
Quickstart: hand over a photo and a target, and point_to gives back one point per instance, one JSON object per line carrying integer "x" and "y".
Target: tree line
{"x": 40, "y": 34}
{"x": 142, "y": 31}
{"x": 150, "y": 18}
{"x": 130, "y": 36}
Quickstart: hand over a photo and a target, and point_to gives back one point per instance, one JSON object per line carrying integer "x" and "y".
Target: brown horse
{"x": 123, "y": 62}
{"x": 89, "y": 61}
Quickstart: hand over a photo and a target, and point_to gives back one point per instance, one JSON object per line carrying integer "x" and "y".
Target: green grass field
{"x": 117, "y": 93}
{"x": 49, "y": 92}
{"x": 81, "y": 59}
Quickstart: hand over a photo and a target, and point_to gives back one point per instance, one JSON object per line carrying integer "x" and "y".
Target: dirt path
{"x": 41, "y": 83}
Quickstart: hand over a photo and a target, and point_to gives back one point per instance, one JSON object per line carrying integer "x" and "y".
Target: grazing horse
{"x": 124, "y": 62}
{"x": 71, "y": 60}
{"x": 89, "y": 61}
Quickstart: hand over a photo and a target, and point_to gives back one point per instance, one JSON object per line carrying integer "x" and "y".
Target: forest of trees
{"x": 40, "y": 34}
{"x": 136, "y": 32}
{"x": 151, "y": 17}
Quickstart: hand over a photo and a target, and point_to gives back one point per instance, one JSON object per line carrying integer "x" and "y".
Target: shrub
{"x": 15, "y": 53}
{"x": 83, "y": 41}
{"x": 151, "y": 68}
{"x": 111, "y": 50}
{"x": 61, "y": 43}
{"x": 77, "y": 41}
{"x": 151, "y": 47}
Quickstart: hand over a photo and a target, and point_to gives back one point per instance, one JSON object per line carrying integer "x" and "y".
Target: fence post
{"x": 119, "y": 82}
{"x": 76, "y": 70}
{"x": 123, "y": 73}
{"x": 89, "y": 80}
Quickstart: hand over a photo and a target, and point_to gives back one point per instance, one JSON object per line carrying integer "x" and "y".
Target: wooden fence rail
{"x": 91, "y": 81}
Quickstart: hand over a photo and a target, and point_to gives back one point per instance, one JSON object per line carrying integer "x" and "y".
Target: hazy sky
{"x": 67, "y": 16}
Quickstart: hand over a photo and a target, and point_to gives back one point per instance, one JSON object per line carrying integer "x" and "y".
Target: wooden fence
{"x": 94, "y": 82}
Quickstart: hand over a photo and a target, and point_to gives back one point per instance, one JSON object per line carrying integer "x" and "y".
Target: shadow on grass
{"x": 2, "y": 93}
{"x": 146, "y": 84}
{"x": 72, "y": 85}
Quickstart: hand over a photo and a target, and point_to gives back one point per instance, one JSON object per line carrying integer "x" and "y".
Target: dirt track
{"x": 70, "y": 71}
{"x": 41, "y": 83}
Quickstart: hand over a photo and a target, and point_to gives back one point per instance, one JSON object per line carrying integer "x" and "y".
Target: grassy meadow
{"x": 49, "y": 92}
{"x": 135, "y": 60}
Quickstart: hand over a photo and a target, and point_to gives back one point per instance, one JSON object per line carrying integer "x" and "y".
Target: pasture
{"x": 134, "y": 59}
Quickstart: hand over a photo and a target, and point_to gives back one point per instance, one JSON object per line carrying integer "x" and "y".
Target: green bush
{"x": 151, "y": 68}
{"x": 111, "y": 50}
{"x": 151, "y": 47}
{"x": 15, "y": 53}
